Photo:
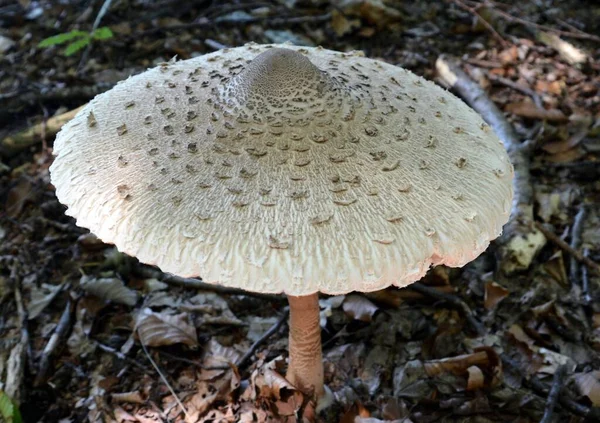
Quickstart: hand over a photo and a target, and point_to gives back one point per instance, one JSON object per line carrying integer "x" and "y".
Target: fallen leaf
{"x": 17, "y": 198}
{"x": 476, "y": 379}
{"x": 589, "y": 385}
{"x": 494, "y": 293}
{"x": 529, "y": 110}
{"x": 157, "y": 329}
{"x": 373, "y": 11}
{"x": 111, "y": 289}
{"x": 40, "y": 298}
{"x": 359, "y": 307}
{"x": 582, "y": 126}
{"x": 341, "y": 25}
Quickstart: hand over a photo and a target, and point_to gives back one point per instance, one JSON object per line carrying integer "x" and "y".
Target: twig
{"x": 242, "y": 361}
{"x": 517, "y": 87}
{"x": 452, "y": 300}
{"x": 520, "y": 224}
{"x": 510, "y": 18}
{"x": 63, "y": 327}
{"x": 486, "y": 24}
{"x": 585, "y": 280}
{"x": 576, "y": 230}
{"x": 191, "y": 283}
{"x": 120, "y": 355}
{"x": 557, "y": 384}
{"x": 166, "y": 382}
{"x": 15, "y": 366}
{"x": 270, "y": 20}
{"x": 576, "y": 254}
{"x": 564, "y": 398}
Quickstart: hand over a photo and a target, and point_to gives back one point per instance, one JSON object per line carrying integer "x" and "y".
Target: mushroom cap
{"x": 276, "y": 168}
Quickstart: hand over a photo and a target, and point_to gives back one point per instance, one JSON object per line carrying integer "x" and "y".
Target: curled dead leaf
{"x": 494, "y": 293}
{"x": 112, "y": 289}
{"x": 476, "y": 379}
{"x": 589, "y": 385}
{"x": 359, "y": 308}
{"x": 157, "y": 329}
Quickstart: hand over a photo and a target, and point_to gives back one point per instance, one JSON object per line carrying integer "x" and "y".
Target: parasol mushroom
{"x": 284, "y": 169}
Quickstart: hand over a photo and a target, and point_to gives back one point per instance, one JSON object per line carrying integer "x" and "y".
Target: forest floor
{"x": 85, "y": 330}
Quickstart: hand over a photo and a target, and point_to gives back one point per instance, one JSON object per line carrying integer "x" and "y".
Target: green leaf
{"x": 62, "y": 38}
{"x": 8, "y": 410}
{"x": 75, "y": 46}
{"x": 103, "y": 33}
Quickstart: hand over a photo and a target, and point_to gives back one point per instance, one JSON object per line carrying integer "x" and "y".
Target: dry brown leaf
{"x": 494, "y": 293}
{"x": 341, "y": 25}
{"x": 17, "y": 198}
{"x": 589, "y": 385}
{"x": 40, "y": 298}
{"x": 566, "y": 156}
{"x": 111, "y": 289}
{"x": 456, "y": 365}
{"x": 357, "y": 411}
{"x": 529, "y": 110}
{"x": 359, "y": 307}
{"x": 554, "y": 87}
{"x": 581, "y": 124}
{"x": 373, "y": 11}
{"x": 157, "y": 329}
{"x": 476, "y": 379}
{"x": 555, "y": 266}
{"x": 509, "y": 55}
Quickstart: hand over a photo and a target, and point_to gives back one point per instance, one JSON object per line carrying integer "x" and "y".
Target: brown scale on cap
{"x": 347, "y": 162}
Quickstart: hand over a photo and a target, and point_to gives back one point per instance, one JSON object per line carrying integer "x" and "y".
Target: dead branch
{"x": 571, "y": 34}
{"x": 62, "y": 329}
{"x": 473, "y": 11}
{"x": 564, "y": 397}
{"x": 120, "y": 356}
{"x": 585, "y": 280}
{"x": 519, "y": 233}
{"x": 576, "y": 254}
{"x": 557, "y": 384}
{"x": 517, "y": 87}
{"x": 242, "y": 361}
{"x": 452, "y": 300}
{"x": 266, "y": 20}
{"x": 30, "y": 136}
{"x": 192, "y": 283}
{"x": 15, "y": 368}
{"x": 576, "y": 230}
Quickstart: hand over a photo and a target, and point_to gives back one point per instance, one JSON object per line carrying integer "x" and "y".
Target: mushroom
{"x": 283, "y": 169}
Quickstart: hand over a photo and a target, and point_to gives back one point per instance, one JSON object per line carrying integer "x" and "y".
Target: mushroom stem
{"x": 305, "y": 370}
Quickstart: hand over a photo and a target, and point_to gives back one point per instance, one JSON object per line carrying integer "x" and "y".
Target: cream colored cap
{"x": 285, "y": 169}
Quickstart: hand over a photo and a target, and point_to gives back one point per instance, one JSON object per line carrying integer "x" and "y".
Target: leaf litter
{"x": 407, "y": 355}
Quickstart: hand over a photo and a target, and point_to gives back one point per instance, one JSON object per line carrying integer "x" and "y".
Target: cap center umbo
{"x": 280, "y": 80}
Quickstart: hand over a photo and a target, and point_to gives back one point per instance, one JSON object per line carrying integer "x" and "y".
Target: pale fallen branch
{"x": 571, "y": 54}
{"x": 520, "y": 241}
{"x": 15, "y": 367}
{"x": 33, "y": 135}
{"x": 55, "y": 342}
